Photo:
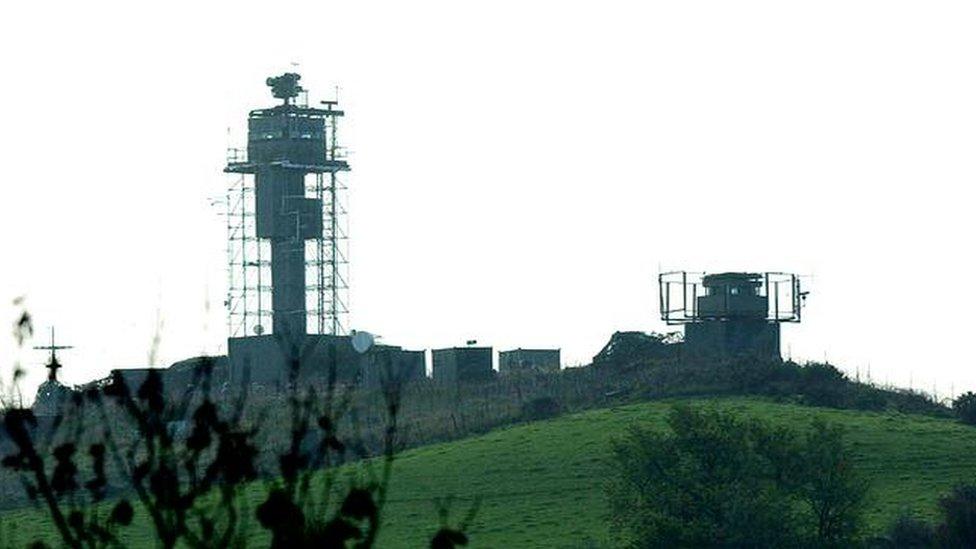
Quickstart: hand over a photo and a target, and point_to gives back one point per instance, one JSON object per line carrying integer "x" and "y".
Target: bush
{"x": 540, "y": 408}
{"x": 908, "y": 532}
{"x": 759, "y": 375}
{"x": 958, "y": 528}
{"x": 823, "y": 385}
{"x": 965, "y": 408}
{"x": 866, "y": 397}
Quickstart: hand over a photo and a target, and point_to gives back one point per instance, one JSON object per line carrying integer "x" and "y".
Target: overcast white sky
{"x": 520, "y": 170}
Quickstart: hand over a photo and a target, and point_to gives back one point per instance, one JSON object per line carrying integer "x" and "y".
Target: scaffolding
{"x": 249, "y": 289}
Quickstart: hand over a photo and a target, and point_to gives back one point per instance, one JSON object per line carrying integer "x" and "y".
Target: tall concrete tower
{"x": 289, "y": 210}
{"x": 286, "y": 242}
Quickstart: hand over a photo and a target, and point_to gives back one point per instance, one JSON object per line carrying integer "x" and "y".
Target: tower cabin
{"x": 731, "y": 313}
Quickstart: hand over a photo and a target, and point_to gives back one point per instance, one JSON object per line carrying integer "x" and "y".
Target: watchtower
{"x": 286, "y": 241}
{"x": 732, "y": 313}
{"x": 284, "y": 219}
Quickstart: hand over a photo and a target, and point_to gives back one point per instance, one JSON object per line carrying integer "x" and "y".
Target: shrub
{"x": 759, "y": 375}
{"x": 823, "y": 385}
{"x": 540, "y": 408}
{"x": 908, "y": 532}
{"x": 958, "y": 509}
{"x": 866, "y": 397}
{"x": 965, "y": 408}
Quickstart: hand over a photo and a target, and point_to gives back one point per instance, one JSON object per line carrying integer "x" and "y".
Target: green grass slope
{"x": 541, "y": 484}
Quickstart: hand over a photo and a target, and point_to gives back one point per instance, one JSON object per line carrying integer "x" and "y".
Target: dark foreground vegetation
{"x": 189, "y": 484}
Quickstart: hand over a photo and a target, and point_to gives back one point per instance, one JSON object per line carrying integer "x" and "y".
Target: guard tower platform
{"x": 732, "y": 313}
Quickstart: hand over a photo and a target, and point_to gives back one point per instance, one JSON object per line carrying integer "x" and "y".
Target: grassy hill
{"x": 541, "y": 484}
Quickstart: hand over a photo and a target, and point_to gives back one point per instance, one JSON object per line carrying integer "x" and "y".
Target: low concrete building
{"x": 267, "y": 359}
{"x": 392, "y": 364}
{"x": 524, "y": 361}
{"x": 459, "y": 364}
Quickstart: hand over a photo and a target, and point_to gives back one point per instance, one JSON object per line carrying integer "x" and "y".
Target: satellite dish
{"x": 362, "y": 341}
{"x": 258, "y": 329}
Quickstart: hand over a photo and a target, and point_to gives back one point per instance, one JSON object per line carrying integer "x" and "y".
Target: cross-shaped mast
{"x": 53, "y": 365}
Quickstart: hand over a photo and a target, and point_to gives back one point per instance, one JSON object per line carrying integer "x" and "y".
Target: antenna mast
{"x": 53, "y": 365}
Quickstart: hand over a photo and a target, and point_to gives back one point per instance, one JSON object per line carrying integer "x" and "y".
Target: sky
{"x": 521, "y": 171}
